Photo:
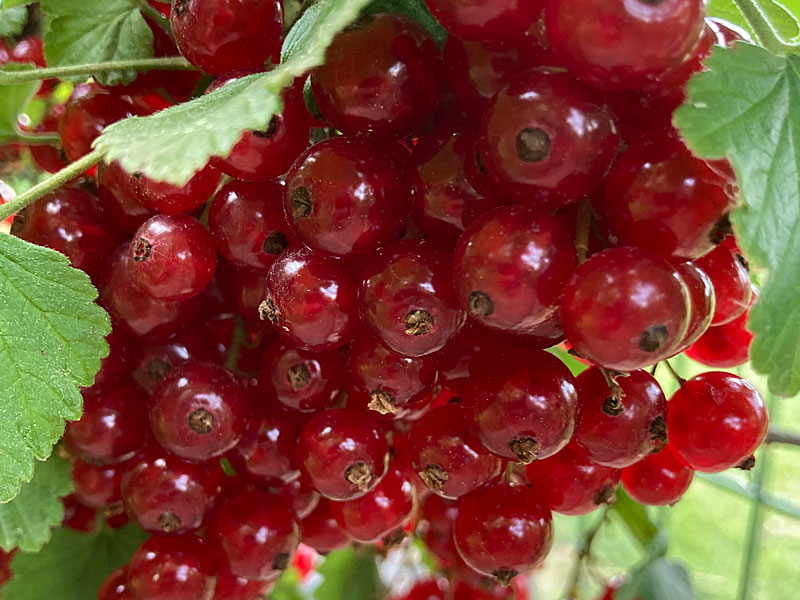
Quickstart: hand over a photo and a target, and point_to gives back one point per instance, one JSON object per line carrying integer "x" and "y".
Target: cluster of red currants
{"x": 400, "y": 280}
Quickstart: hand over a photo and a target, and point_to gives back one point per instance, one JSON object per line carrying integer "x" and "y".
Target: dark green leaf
{"x": 13, "y": 101}
{"x": 26, "y": 521}
{"x": 415, "y": 9}
{"x": 51, "y": 342}
{"x": 287, "y": 587}
{"x": 93, "y": 31}
{"x": 73, "y": 565}
{"x": 639, "y": 524}
{"x": 661, "y": 579}
{"x": 747, "y": 107}
{"x": 12, "y": 20}
{"x": 349, "y": 574}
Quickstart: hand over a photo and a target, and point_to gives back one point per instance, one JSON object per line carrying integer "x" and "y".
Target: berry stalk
{"x": 168, "y": 63}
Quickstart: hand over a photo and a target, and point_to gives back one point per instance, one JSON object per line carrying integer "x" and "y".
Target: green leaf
{"x": 348, "y": 574}
{"x": 73, "y": 565}
{"x": 415, "y": 9}
{"x": 26, "y": 521}
{"x": 12, "y": 20}
{"x": 661, "y": 579}
{"x": 92, "y": 31}
{"x": 13, "y": 101}
{"x": 15, "y": 3}
{"x": 639, "y": 524}
{"x": 177, "y": 142}
{"x": 747, "y": 107}
{"x": 51, "y": 342}
{"x": 287, "y": 587}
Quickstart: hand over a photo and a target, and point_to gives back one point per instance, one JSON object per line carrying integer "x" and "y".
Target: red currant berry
{"x": 429, "y": 589}
{"x": 266, "y": 453}
{"x": 382, "y": 77}
{"x": 344, "y": 452}
{"x": 232, "y": 587}
{"x": 447, "y": 454}
{"x": 321, "y": 531}
{"x": 716, "y": 421}
{"x": 171, "y": 199}
{"x": 116, "y": 362}
{"x": 724, "y": 346}
{"x": 115, "y": 586}
{"x": 514, "y": 540}
{"x": 482, "y": 21}
{"x": 218, "y": 36}
{"x": 121, "y": 196}
{"x": 730, "y": 276}
{"x": 97, "y": 486}
{"x": 625, "y": 308}
{"x": 248, "y": 225}
{"x": 657, "y": 480}
{"x": 728, "y": 33}
{"x": 77, "y": 516}
{"x": 621, "y": 44}
{"x": 49, "y": 158}
{"x": 300, "y": 495}
{"x": 702, "y": 301}
{"x": 154, "y": 361}
{"x": 173, "y": 568}
{"x": 199, "y": 411}
{"x": 258, "y": 533}
{"x": 439, "y": 514}
{"x": 86, "y": 117}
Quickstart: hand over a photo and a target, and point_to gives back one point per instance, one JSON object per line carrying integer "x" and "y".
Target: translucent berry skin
{"x": 300, "y": 495}
{"x": 121, "y": 196}
{"x": 383, "y": 78}
{"x": 383, "y": 510}
{"x": 344, "y": 197}
{"x": 429, "y": 589}
{"x": 396, "y": 384}
{"x": 116, "y": 363}
{"x": 439, "y": 513}
{"x": 172, "y": 257}
{"x": 344, "y": 452}
{"x": 199, "y": 411}
{"x": 481, "y": 21}
{"x": 723, "y": 346}
{"x": 623, "y": 45}
{"x": 232, "y": 587}
{"x": 266, "y": 453}
{"x": 258, "y": 533}
{"x": 113, "y": 426}
{"x": 407, "y": 299}
{"x": 547, "y": 140}
{"x": 321, "y": 531}
{"x": 495, "y": 279}
{"x": 173, "y": 568}
{"x": 661, "y": 197}
{"x": 154, "y": 361}
{"x": 447, "y": 454}
{"x": 221, "y": 36}
{"x": 571, "y": 484}
{"x": 96, "y": 485}
{"x": 625, "y": 308}
{"x": 311, "y": 299}
{"x": 618, "y": 439}
{"x": 657, "y": 480}
{"x": 523, "y": 404}
{"x": 248, "y": 224}
{"x": 115, "y": 586}
{"x": 171, "y": 199}
{"x": 78, "y": 516}
{"x": 702, "y": 301}
{"x": 515, "y": 540}
{"x": 165, "y": 494}
{"x": 731, "y": 279}
{"x": 716, "y": 421}
{"x": 85, "y": 118}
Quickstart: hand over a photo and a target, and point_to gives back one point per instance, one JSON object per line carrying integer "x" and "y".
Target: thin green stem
{"x": 674, "y": 373}
{"x": 237, "y": 340}
{"x": 168, "y": 63}
{"x": 584, "y": 553}
{"x": 582, "y": 229}
{"x": 155, "y": 15}
{"x": 765, "y": 32}
{"x": 38, "y": 139}
{"x": 53, "y": 182}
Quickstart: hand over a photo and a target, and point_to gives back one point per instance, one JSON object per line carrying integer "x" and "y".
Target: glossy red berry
{"x": 116, "y": 363}
{"x": 165, "y": 494}
{"x": 78, "y": 516}
{"x": 447, "y": 454}
{"x": 571, "y": 484}
{"x": 702, "y": 302}
{"x": 172, "y": 257}
{"x": 433, "y": 588}
{"x": 311, "y": 300}
{"x": 321, "y": 531}
{"x": 218, "y": 36}
{"x": 258, "y": 533}
{"x": 172, "y": 199}
{"x": 437, "y": 531}
{"x": 97, "y": 486}
{"x": 514, "y": 540}
{"x": 199, "y": 411}
{"x": 621, "y": 44}
{"x": 724, "y": 346}
{"x": 300, "y": 495}
{"x": 730, "y": 276}
{"x": 154, "y": 361}
{"x": 344, "y": 197}
{"x": 266, "y": 453}
{"x": 510, "y": 267}
{"x": 121, "y": 196}
{"x": 482, "y": 21}
{"x": 232, "y": 587}
{"x": 716, "y": 421}
{"x": 173, "y": 568}
{"x": 86, "y": 117}
{"x": 115, "y": 586}
{"x": 248, "y": 224}
{"x": 344, "y": 452}
{"x": 625, "y": 308}
{"x": 383, "y": 77}
{"x": 657, "y": 480}
{"x": 547, "y": 140}
{"x": 49, "y": 158}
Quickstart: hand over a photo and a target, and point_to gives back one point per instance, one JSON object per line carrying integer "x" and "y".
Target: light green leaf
{"x": 661, "y": 579}
{"x": 747, "y": 107}
{"x": 635, "y": 518}
{"x": 26, "y": 521}
{"x": 287, "y": 587}
{"x": 12, "y": 20}
{"x": 51, "y": 342}
{"x": 92, "y": 31}
{"x": 348, "y": 574}
{"x": 13, "y": 101}
{"x": 177, "y": 142}
{"x": 73, "y": 565}
{"x": 415, "y": 9}
{"x": 15, "y": 3}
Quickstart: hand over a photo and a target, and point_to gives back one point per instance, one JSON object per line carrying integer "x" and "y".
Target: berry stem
{"x": 37, "y": 139}
{"x": 765, "y": 32}
{"x": 674, "y": 373}
{"x": 155, "y": 15}
{"x": 584, "y": 552}
{"x": 53, "y": 182}
{"x": 235, "y": 349}
{"x": 169, "y": 63}
{"x": 582, "y": 229}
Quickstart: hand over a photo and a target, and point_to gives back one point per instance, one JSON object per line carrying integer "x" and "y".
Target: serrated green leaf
{"x": 661, "y": 579}
{"x": 73, "y": 565}
{"x": 350, "y": 574}
{"x": 92, "y": 31}
{"x": 12, "y": 20}
{"x": 415, "y": 9}
{"x": 287, "y": 587}
{"x": 177, "y": 142}
{"x": 13, "y": 101}
{"x": 635, "y": 518}
{"x": 747, "y": 107}
{"x": 51, "y": 342}
{"x": 26, "y": 521}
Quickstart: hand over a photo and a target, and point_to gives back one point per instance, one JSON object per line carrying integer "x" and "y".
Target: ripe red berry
{"x": 434, "y": 588}
{"x": 731, "y": 279}
{"x": 382, "y": 77}
{"x": 702, "y": 302}
{"x": 514, "y": 540}
{"x": 115, "y": 586}
{"x": 97, "y": 486}
{"x": 171, "y": 199}
{"x": 300, "y": 495}
{"x": 321, "y": 531}
{"x": 116, "y": 363}
{"x": 439, "y": 514}
{"x": 232, "y": 587}
{"x": 657, "y": 480}
{"x": 724, "y": 346}
{"x": 266, "y": 453}
{"x": 121, "y": 196}
{"x": 173, "y": 568}
{"x": 78, "y": 516}
{"x": 716, "y": 421}
{"x": 154, "y": 361}
{"x": 481, "y": 21}
{"x": 86, "y": 117}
